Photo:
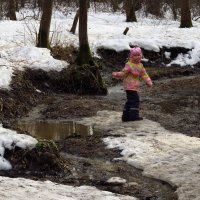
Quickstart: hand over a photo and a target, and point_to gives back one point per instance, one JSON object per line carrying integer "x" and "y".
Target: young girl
{"x": 132, "y": 73}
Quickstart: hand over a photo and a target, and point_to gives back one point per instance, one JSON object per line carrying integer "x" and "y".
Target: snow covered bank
{"x": 162, "y": 154}
{"x": 9, "y": 139}
{"x": 20, "y": 189}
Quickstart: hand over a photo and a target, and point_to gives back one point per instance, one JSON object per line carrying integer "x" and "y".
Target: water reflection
{"x": 54, "y": 130}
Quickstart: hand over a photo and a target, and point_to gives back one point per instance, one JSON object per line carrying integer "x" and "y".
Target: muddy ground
{"x": 173, "y": 101}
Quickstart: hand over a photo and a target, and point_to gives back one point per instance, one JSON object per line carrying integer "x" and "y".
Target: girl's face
{"x": 136, "y": 58}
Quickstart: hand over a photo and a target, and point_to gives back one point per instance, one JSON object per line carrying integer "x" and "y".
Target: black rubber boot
{"x": 134, "y": 115}
{"x": 131, "y": 108}
{"x": 125, "y": 115}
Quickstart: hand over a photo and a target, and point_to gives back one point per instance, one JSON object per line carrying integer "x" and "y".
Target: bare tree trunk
{"x": 130, "y": 10}
{"x": 17, "y": 5}
{"x": 115, "y": 6}
{"x": 22, "y": 3}
{"x": 186, "y": 21}
{"x": 154, "y": 7}
{"x": 174, "y": 10}
{"x": 43, "y": 35}
{"x": 40, "y": 3}
{"x": 12, "y": 9}
{"x": 73, "y": 29}
{"x": 84, "y": 56}
{"x": 88, "y": 76}
{"x": 1, "y": 8}
{"x": 35, "y": 4}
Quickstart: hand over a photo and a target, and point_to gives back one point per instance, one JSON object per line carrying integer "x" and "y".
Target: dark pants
{"x": 131, "y": 108}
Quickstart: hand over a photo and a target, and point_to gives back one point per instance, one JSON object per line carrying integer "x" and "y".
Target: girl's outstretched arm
{"x": 120, "y": 74}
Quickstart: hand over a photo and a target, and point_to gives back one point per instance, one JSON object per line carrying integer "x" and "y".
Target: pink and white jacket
{"x": 135, "y": 72}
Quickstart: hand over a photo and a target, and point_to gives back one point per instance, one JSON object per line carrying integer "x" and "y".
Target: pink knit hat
{"x": 135, "y": 51}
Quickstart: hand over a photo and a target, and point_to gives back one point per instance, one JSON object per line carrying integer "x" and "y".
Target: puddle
{"x": 51, "y": 130}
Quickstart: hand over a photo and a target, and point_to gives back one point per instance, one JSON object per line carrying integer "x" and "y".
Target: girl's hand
{"x": 118, "y": 74}
{"x": 114, "y": 74}
{"x": 149, "y": 83}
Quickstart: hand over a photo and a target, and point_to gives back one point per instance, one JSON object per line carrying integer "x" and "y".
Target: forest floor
{"x": 173, "y": 101}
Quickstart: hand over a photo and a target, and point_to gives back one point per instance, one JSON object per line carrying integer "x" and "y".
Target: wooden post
{"x": 126, "y": 30}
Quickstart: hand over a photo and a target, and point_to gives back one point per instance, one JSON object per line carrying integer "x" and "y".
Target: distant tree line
{"x": 181, "y": 8}
{"x": 154, "y": 7}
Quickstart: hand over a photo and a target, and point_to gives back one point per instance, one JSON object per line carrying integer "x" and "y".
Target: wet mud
{"x": 85, "y": 159}
{"x": 173, "y": 101}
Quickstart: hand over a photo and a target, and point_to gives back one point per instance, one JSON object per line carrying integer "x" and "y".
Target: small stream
{"x": 94, "y": 170}
{"x": 60, "y": 129}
